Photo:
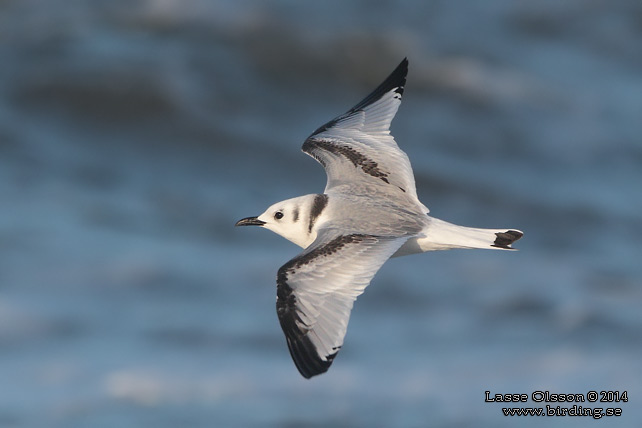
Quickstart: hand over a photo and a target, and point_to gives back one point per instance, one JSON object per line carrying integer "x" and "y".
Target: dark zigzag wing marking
{"x": 368, "y": 166}
{"x": 396, "y": 79}
{"x": 303, "y": 352}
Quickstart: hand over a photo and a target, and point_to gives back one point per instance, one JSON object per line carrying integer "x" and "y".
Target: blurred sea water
{"x": 134, "y": 134}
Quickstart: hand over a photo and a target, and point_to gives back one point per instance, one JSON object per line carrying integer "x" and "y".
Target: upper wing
{"x": 316, "y": 290}
{"x": 357, "y": 147}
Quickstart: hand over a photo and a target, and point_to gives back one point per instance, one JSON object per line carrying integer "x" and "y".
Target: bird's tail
{"x": 441, "y": 235}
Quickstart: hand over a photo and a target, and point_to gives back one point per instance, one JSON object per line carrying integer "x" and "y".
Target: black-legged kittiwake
{"x": 368, "y": 213}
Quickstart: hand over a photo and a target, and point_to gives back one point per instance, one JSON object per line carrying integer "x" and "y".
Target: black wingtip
{"x": 306, "y": 359}
{"x": 396, "y": 79}
{"x": 302, "y": 350}
{"x": 403, "y": 68}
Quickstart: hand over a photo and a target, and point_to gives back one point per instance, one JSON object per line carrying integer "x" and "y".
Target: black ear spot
{"x": 278, "y": 215}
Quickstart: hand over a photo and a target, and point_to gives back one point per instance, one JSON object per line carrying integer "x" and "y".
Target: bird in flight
{"x": 368, "y": 213}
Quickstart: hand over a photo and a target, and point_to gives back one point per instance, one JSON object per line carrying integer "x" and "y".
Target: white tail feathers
{"x": 441, "y": 235}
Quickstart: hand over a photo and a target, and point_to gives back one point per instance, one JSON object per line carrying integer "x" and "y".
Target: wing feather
{"x": 316, "y": 291}
{"x": 357, "y": 147}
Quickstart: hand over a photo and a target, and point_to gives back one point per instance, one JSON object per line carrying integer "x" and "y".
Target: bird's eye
{"x": 278, "y": 215}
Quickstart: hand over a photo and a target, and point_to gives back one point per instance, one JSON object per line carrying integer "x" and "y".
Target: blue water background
{"x": 134, "y": 134}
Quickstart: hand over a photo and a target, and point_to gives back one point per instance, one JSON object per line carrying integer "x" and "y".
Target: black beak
{"x": 250, "y": 221}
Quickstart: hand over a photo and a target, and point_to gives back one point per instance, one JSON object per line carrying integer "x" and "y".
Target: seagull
{"x": 368, "y": 213}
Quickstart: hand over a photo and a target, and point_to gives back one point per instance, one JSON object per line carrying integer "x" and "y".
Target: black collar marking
{"x": 319, "y": 204}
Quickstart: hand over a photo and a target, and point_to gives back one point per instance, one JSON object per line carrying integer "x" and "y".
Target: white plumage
{"x": 368, "y": 213}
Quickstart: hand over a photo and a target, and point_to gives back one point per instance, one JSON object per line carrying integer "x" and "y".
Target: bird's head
{"x": 289, "y": 219}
